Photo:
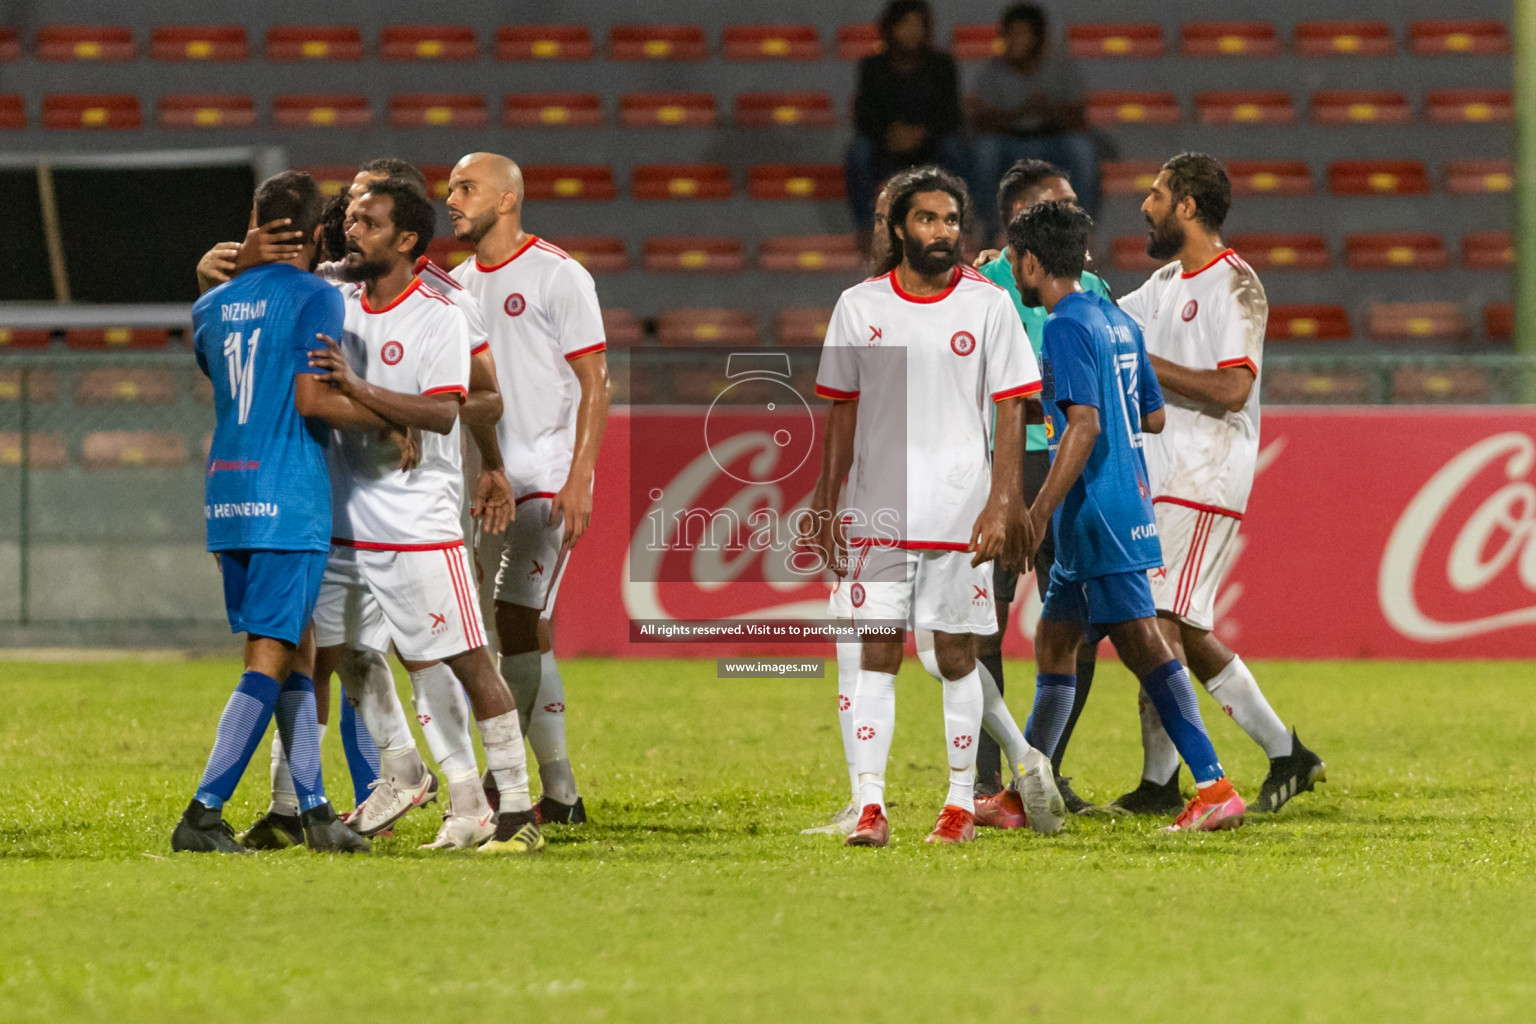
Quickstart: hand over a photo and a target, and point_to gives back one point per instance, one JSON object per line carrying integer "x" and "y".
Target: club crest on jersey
{"x": 515, "y": 305}
{"x": 856, "y": 595}
{"x": 1190, "y": 309}
{"x": 963, "y": 343}
{"x": 392, "y": 353}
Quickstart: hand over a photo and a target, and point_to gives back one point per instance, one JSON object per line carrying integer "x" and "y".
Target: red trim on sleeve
{"x": 1198, "y": 507}
{"x": 526, "y": 246}
{"x": 1027, "y": 389}
{"x": 822, "y": 391}
{"x": 924, "y": 299}
{"x": 1241, "y": 361}
{"x": 362, "y": 294}
{"x": 449, "y": 389}
{"x": 535, "y": 494}
{"x": 600, "y": 346}
{"x": 426, "y": 266}
{"x": 1218, "y": 258}
{"x": 483, "y": 346}
{"x": 368, "y": 545}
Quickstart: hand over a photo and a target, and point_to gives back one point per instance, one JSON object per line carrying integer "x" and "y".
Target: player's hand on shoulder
{"x": 217, "y": 265}
{"x": 493, "y": 504}
{"x": 987, "y": 256}
{"x": 272, "y": 242}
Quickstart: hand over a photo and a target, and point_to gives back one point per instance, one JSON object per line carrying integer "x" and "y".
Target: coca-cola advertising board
{"x": 1391, "y": 532}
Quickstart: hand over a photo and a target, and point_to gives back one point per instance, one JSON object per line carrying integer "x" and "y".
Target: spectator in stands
{"x": 906, "y": 108}
{"x": 1028, "y": 105}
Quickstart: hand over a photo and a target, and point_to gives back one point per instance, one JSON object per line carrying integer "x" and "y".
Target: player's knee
{"x": 956, "y": 663}
{"x": 881, "y": 658}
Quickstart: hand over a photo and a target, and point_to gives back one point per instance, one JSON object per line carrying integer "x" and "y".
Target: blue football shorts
{"x": 271, "y": 593}
{"x": 1099, "y": 602}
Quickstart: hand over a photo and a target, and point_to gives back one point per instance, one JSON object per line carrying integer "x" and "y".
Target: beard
{"x": 357, "y": 269}
{"x": 930, "y": 260}
{"x": 472, "y": 229}
{"x": 1030, "y": 296}
{"x": 1165, "y": 239}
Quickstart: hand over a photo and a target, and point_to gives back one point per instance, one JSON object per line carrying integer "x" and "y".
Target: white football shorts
{"x": 937, "y": 590}
{"x": 1199, "y": 546}
{"x": 422, "y": 601}
{"x": 531, "y": 566}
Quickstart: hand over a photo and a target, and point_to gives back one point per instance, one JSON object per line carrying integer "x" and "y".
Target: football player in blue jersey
{"x": 1100, "y": 395}
{"x": 268, "y": 509}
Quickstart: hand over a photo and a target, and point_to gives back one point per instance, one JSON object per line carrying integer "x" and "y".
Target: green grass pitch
{"x": 1404, "y": 890}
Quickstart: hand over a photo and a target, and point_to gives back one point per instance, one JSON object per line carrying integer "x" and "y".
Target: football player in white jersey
{"x": 399, "y": 573}
{"x": 1204, "y": 316}
{"x": 546, "y": 332}
{"x": 913, "y": 361}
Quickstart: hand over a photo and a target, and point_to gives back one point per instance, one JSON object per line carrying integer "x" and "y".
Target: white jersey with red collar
{"x": 1210, "y": 319}
{"x": 540, "y": 311}
{"x": 926, "y": 371}
{"x": 436, "y": 277}
{"x": 417, "y": 345}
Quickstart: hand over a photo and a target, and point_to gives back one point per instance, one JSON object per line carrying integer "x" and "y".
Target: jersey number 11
{"x": 242, "y": 372}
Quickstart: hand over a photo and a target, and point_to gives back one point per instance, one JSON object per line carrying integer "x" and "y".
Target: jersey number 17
{"x": 242, "y": 372}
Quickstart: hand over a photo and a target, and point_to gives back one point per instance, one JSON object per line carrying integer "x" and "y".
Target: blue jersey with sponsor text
{"x": 1093, "y": 354}
{"x": 267, "y": 486}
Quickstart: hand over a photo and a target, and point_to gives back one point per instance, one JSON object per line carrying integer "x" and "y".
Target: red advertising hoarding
{"x": 1392, "y": 532}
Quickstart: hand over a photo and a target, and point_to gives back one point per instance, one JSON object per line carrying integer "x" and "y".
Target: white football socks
{"x": 523, "y": 674}
{"x": 1239, "y": 695}
{"x": 999, "y": 723}
{"x": 1159, "y": 757}
{"x": 546, "y": 734}
{"x": 442, "y": 711}
{"x": 502, "y": 738}
{"x": 874, "y": 720}
{"x": 378, "y": 705}
{"x": 962, "y": 724}
{"x": 849, "y": 655}
{"x": 285, "y": 799}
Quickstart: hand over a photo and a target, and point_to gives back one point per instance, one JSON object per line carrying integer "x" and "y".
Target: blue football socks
{"x": 300, "y": 731}
{"x": 1053, "y": 706}
{"x": 362, "y": 752}
{"x": 1169, "y": 689}
{"x": 241, "y": 727}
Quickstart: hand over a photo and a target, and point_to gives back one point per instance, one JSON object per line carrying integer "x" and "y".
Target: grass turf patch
{"x": 1402, "y": 890}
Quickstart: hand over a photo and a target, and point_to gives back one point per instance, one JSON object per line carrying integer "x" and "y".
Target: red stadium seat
{"x": 707, "y": 327}
{"x": 23, "y": 337}
{"x": 855, "y": 42}
{"x": 667, "y": 109}
{"x": 798, "y": 327}
{"x": 1487, "y": 250}
{"x": 10, "y": 43}
{"x": 1267, "y": 107}
{"x": 1121, "y": 107}
{"x": 1230, "y": 39}
{"x": 1128, "y": 177}
{"x": 91, "y": 110}
{"x": 1498, "y": 321}
{"x": 1449, "y": 384}
{"x": 621, "y": 327}
{"x": 84, "y": 42}
{"x": 543, "y": 42}
{"x": 95, "y": 339}
{"x": 218, "y": 43}
{"x": 569, "y": 181}
{"x": 1282, "y": 251}
{"x": 811, "y": 253}
{"x": 1307, "y": 323}
{"x": 41, "y": 385}
{"x": 1471, "y": 177}
{"x": 1419, "y": 321}
{"x": 332, "y": 178}
{"x": 314, "y": 42}
{"x": 13, "y": 111}
{"x": 1270, "y": 178}
{"x": 1344, "y": 39}
{"x": 1129, "y": 253}
{"x": 799, "y": 109}
{"x": 975, "y": 42}
{"x": 152, "y": 387}
{"x": 796, "y": 181}
{"x": 1115, "y": 40}
{"x": 600, "y": 254}
{"x": 1377, "y": 178}
{"x": 681, "y": 181}
{"x": 428, "y": 42}
{"x": 669, "y": 253}
{"x": 657, "y": 42}
{"x": 1477, "y": 38}
{"x": 1354, "y": 106}
{"x": 448, "y": 252}
{"x": 44, "y": 451}
{"x": 322, "y": 110}
{"x": 552, "y": 110}
{"x": 437, "y": 109}
{"x": 206, "y": 110}
{"x": 771, "y": 42}
{"x": 1322, "y": 387}
{"x": 1468, "y": 106}
{"x": 133, "y": 449}
{"x": 1395, "y": 250}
